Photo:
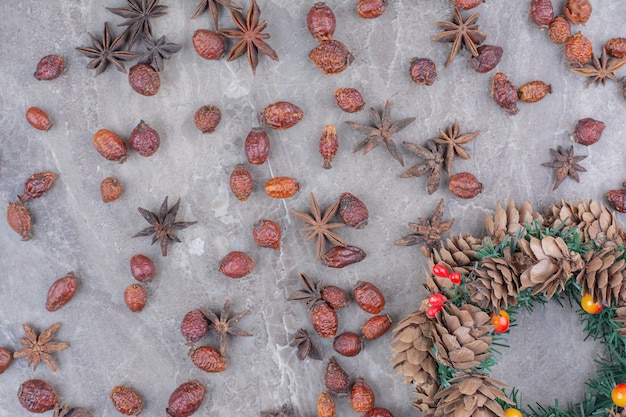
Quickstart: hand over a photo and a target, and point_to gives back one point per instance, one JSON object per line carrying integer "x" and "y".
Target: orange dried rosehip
{"x": 144, "y": 140}
{"x": 376, "y": 326}
{"x": 135, "y": 297}
{"x": 588, "y": 131}
{"x": 280, "y": 115}
{"x": 616, "y": 47}
{"x": 321, "y": 22}
{"x": 361, "y": 396}
{"x": 37, "y": 396}
{"x": 38, "y": 118}
{"x": 324, "y": 319}
{"x": 236, "y": 264}
{"x": 341, "y": 256}
{"x": 353, "y": 211}
{"x": 349, "y": 100}
{"x": 335, "y": 296}
{"x": 207, "y": 118}
{"x": 336, "y": 379}
{"x": 617, "y": 199}
{"x": 126, "y": 401}
{"x": 326, "y": 405}
{"x": 61, "y": 292}
{"x": 332, "y": 57}
{"x": 533, "y": 91}
{"x": 378, "y": 412}
{"x": 577, "y": 11}
{"x": 142, "y": 268}
{"x": 36, "y": 186}
{"x": 241, "y": 182}
{"x": 257, "y": 146}
{"x": 348, "y": 344}
{"x": 49, "y": 67}
{"x": 110, "y": 145}
{"x": 370, "y": 9}
{"x": 578, "y": 49}
{"x": 5, "y": 359}
{"x": 369, "y": 297}
{"x": 423, "y": 71}
{"x": 281, "y": 187}
{"x": 488, "y": 57}
{"x": 504, "y": 93}
{"x": 328, "y": 145}
{"x": 465, "y": 185}
{"x": 208, "y": 359}
{"x": 559, "y": 30}
{"x": 110, "y": 189}
{"x": 266, "y": 234}
{"x": 194, "y": 326}
{"x": 144, "y": 79}
{"x": 467, "y": 4}
{"x": 186, "y": 399}
{"x": 208, "y": 44}
{"x": 19, "y": 220}
{"x": 541, "y": 12}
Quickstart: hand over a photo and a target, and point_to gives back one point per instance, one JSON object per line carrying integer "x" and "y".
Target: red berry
{"x": 433, "y": 310}
{"x": 455, "y": 277}
{"x": 441, "y": 271}
{"x": 437, "y": 300}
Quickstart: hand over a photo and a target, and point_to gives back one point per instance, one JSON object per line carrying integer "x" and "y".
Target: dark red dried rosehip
{"x": 110, "y": 145}
{"x": 577, "y": 11}
{"x": 36, "y": 186}
{"x": 241, "y": 183}
{"x": 144, "y": 140}
{"x": 186, "y": 399}
{"x": 194, "y": 326}
{"x": 332, "y": 57}
{"x": 257, "y": 146}
{"x": 616, "y": 47}
{"x": 280, "y": 115}
{"x": 541, "y": 12}
{"x": 110, "y": 189}
{"x": 349, "y": 100}
{"x": 49, "y": 67}
{"x": 38, "y": 118}
{"x": 266, "y": 234}
{"x": 467, "y": 4}
{"x": 321, "y": 21}
{"x": 236, "y": 264}
{"x": 533, "y": 91}
{"x": 126, "y": 401}
{"x": 208, "y": 359}
{"x": 504, "y": 93}
{"x": 369, "y": 297}
{"x": 37, "y": 396}
{"x": 353, "y": 211}
{"x": 559, "y": 30}
{"x": 362, "y": 396}
{"x": 328, "y": 145}
{"x": 324, "y": 319}
{"x": 488, "y": 57}
{"x": 5, "y": 359}
{"x": 348, "y": 344}
{"x": 617, "y": 199}
{"x": 378, "y": 412}
{"x": 326, "y": 405}
{"x": 142, "y": 268}
{"x": 464, "y": 185}
{"x": 578, "y": 49}
{"x": 19, "y": 219}
{"x": 336, "y": 379}
{"x": 281, "y": 187}
{"x": 208, "y": 44}
{"x": 144, "y": 79}
{"x": 341, "y": 256}
{"x": 376, "y": 326}
{"x": 423, "y": 71}
{"x": 370, "y": 9}
{"x": 335, "y": 296}
{"x": 207, "y": 118}
{"x": 61, "y": 292}
{"x": 135, "y": 297}
{"x": 588, "y": 131}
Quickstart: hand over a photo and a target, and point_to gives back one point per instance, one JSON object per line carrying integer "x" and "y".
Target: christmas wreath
{"x": 575, "y": 251}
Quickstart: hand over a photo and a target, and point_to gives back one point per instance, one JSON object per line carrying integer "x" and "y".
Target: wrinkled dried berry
{"x": 349, "y": 100}
{"x": 126, "y": 401}
{"x": 423, "y": 71}
{"x": 37, "y": 396}
{"x": 208, "y": 359}
{"x": 78, "y": 412}
{"x": 186, "y": 399}
{"x": 142, "y": 268}
{"x": 578, "y": 49}
{"x": 332, "y": 57}
{"x": 617, "y": 199}
{"x": 321, "y": 22}
{"x": 467, "y": 4}
{"x": 588, "y": 131}
{"x": 144, "y": 140}
{"x": 5, "y": 359}
{"x": 369, "y": 297}
{"x": 19, "y": 220}
{"x": 266, "y": 234}
{"x": 335, "y": 296}
{"x": 370, "y": 9}
{"x": 194, "y": 326}
{"x": 488, "y": 57}
{"x": 110, "y": 189}
{"x": 281, "y": 187}
{"x": 61, "y": 292}
{"x": 135, "y": 297}
{"x": 336, "y": 379}
{"x": 236, "y": 264}
{"x": 504, "y": 93}
{"x": 541, "y": 12}
{"x": 328, "y": 145}
{"x": 241, "y": 182}
{"x": 465, "y": 185}
{"x": 257, "y": 146}
{"x": 144, "y": 79}
{"x": 110, "y": 145}
{"x": 326, "y": 405}
{"x": 208, "y": 44}
{"x": 353, "y": 211}
{"x": 376, "y": 326}
{"x": 341, "y": 256}
{"x": 280, "y": 115}
{"x": 324, "y": 319}
{"x": 559, "y": 30}
{"x": 207, "y": 118}
{"x": 49, "y": 67}
{"x": 361, "y": 396}
{"x": 577, "y": 11}
{"x": 38, "y": 118}
{"x": 616, "y": 47}
{"x": 348, "y": 344}
{"x": 378, "y": 412}
{"x": 36, "y": 186}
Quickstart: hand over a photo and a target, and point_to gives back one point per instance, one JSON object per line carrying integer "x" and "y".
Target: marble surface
{"x": 74, "y": 230}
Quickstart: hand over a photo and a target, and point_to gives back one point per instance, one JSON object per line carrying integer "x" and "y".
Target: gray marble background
{"x": 74, "y": 230}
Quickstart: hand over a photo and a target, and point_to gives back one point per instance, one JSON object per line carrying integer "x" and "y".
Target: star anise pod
{"x": 382, "y": 131}
{"x": 320, "y": 227}
{"x": 598, "y": 70}
{"x": 285, "y": 411}
{"x": 157, "y": 51}
{"x": 306, "y": 346}
{"x": 452, "y": 142}
{"x": 213, "y": 6}
{"x": 38, "y": 348}
{"x": 311, "y": 293}
{"x": 138, "y": 15}
{"x": 250, "y": 36}
{"x": 427, "y": 231}
{"x": 433, "y": 158}
{"x": 163, "y": 225}
{"x": 66, "y": 411}
{"x": 462, "y": 34}
{"x": 225, "y": 325}
{"x": 565, "y": 164}
{"x": 106, "y": 51}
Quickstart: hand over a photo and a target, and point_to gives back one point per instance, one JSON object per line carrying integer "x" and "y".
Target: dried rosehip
{"x": 336, "y": 379}
{"x": 588, "y": 131}
{"x": 349, "y": 100}
{"x": 488, "y": 57}
{"x": 578, "y": 49}
{"x": 38, "y": 118}
{"x": 324, "y": 319}
{"x": 280, "y": 115}
{"x": 369, "y": 297}
{"x": 110, "y": 189}
{"x": 135, "y": 297}
{"x": 504, "y": 93}
{"x": 321, "y": 22}
{"x": 353, "y": 212}
{"x": 328, "y": 145}
{"x": 110, "y": 145}
{"x": 77, "y": 412}
{"x": 348, "y": 344}
{"x": 126, "y": 401}
{"x": 332, "y": 57}
{"x": 616, "y": 47}
{"x": 236, "y": 264}
{"x": 186, "y": 399}
{"x": 335, "y": 296}
{"x": 378, "y": 412}
{"x": 144, "y": 140}
{"x": 465, "y": 185}
{"x": 36, "y": 186}
{"x": 144, "y": 79}
{"x": 19, "y": 220}
{"x": 266, "y": 234}
{"x": 541, "y": 12}
{"x": 423, "y": 71}
{"x": 281, "y": 187}
{"x": 370, "y": 9}
{"x": 49, "y": 67}
{"x": 241, "y": 182}
{"x": 61, "y": 292}
{"x": 5, "y": 359}
{"x": 341, "y": 256}
{"x": 194, "y": 326}
{"x": 257, "y": 146}
{"x": 208, "y": 44}
{"x": 37, "y": 396}
{"x": 208, "y": 359}
{"x": 617, "y": 199}
{"x": 577, "y": 11}
{"x": 142, "y": 268}
{"x": 559, "y": 30}
{"x": 326, "y": 405}
{"x": 361, "y": 396}
{"x": 207, "y": 118}
{"x": 376, "y": 326}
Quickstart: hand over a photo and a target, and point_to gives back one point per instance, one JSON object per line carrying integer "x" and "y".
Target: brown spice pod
{"x": 38, "y": 119}
{"x": 126, "y": 401}
{"x": 61, "y": 292}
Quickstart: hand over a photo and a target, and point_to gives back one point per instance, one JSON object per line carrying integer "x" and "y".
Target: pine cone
{"x": 510, "y": 221}
{"x": 496, "y": 283}
{"x": 472, "y": 394}
{"x": 554, "y": 266}
{"x": 621, "y": 317}
{"x": 603, "y": 276}
{"x": 616, "y": 412}
{"x": 462, "y": 336}
{"x": 425, "y": 401}
{"x": 457, "y": 253}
